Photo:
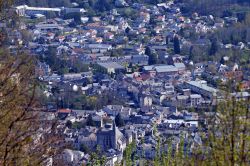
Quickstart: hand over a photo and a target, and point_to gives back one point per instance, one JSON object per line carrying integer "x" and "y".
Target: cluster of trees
{"x": 97, "y": 158}
{"x": 153, "y": 57}
{"x": 23, "y": 140}
{"x": 76, "y": 100}
{"x": 215, "y": 7}
{"x": 61, "y": 64}
{"x": 21, "y": 125}
{"x": 45, "y": 3}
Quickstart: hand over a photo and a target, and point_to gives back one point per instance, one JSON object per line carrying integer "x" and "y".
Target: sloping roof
{"x": 166, "y": 68}
{"x": 67, "y": 111}
{"x": 203, "y": 86}
{"x": 179, "y": 65}
{"x": 111, "y": 65}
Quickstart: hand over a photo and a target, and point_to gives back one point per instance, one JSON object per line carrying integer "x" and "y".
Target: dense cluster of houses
{"x": 159, "y": 100}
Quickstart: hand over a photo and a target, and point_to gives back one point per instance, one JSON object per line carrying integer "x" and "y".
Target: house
{"x": 147, "y": 150}
{"x": 71, "y": 157}
{"x": 72, "y": 76}
{"x": 182, "y": 100}
{"x": 98, "y": 48}
{"x": 42, "y": 69}
{"x": 63, "y": 113}
{"x": 89, "y": 140}
{"x": 195, "y": 100}
{"x": 241, "y": 95}
{"x": 98, "y": 120}
{"x": 109, "y": 36}
{"x": 139, "y": 59}
{"x": 180, "y": 66}
{"x": 48, "y": 26}
{"x": 114, "y": 110}
{"x": 146, "y": 101}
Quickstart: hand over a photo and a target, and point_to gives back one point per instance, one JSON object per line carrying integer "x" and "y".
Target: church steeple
{"x": 115, "y": 137}
{"x": 114, "y": 125}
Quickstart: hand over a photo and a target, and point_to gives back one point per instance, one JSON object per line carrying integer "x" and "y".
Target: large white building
{"x": 202, "y": 88}
{"x": 24, "y": 10}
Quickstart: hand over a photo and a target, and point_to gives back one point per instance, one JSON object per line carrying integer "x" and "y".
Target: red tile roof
{"x": 66, "y": 111}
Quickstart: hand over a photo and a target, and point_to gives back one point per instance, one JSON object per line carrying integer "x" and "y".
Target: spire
{"x": 114, "y": 135}
{"x": 114, "y": 125}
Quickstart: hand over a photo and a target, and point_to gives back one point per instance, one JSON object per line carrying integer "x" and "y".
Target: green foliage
{"x": 177, "y": 48}
{"x": 214, "y": 47}
{"x": 215, "y": 7}
{"x": 68, "y": 124}
{"x": 77, "y": 125}
{"x": 84, "y": 148}
{"x": 153, "y": 57}
{"x": 103, "y": 5}
{"x": 90, "y": 121}
{"x": 226, "y": 143}
{"x": 128, "y": 154}
{"x": 97, "y": 158}
{"x": 46, "y": 3}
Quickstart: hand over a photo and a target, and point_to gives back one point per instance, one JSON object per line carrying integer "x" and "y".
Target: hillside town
{"x": 135, "y": 76}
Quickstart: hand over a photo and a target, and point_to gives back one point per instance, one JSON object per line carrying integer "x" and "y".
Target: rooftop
{"x": 111, "y": 65}
{"x": 202, "y": 85}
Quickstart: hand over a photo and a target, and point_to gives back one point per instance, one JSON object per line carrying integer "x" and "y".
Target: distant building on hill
{"x": 24, "y": 10}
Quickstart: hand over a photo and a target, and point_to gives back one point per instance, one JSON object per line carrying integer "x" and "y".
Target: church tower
{"x": 114, "y": 136}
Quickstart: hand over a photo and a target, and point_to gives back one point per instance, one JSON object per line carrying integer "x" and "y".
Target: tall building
{"x": 110, "y": 137}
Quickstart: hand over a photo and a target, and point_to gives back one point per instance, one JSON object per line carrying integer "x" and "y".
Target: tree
{"x": 148, "y": 51}
{"x": 177, "y": 48}
{"x": 25, "y": 138}
{"x": 90, "y": 121}
{"x": 170, "y": 60}
{"x": 229, "y": 134}
{"x": 227, "y": 140}
{"x": 84, "y": 148}
{"x": 152, "y": 59}
{"x": 129, "y": 153}
{"x": 167, "y": 40}
{"x": 20, "y": 123}
{"x": 214, "y": 47}
{"x": 119, "y": 121}
{"x": 68, "y": 124}
{"x": 127, "y": 30}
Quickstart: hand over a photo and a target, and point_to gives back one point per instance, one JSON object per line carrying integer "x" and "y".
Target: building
{"x": 98, "y": 48}
{"x": 195, "y": 100}
{"x": 45, "y": 26}
{"x": 162, "y": 70}
{"x": 146, "y": 101}
{"x": 24, "y": 10}
{"x": 202, "y": 88}
{"x": 110, "y": 137}
{"x": 139, "y": 59}
{"x": 110, "y": 67}
{"x": 182, "y": 100}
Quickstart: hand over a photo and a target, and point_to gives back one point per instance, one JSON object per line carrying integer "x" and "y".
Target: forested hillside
{"x": 218, "y": 7}
{"x": 92, "y": 3}
{"x": 45, "y": 3}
